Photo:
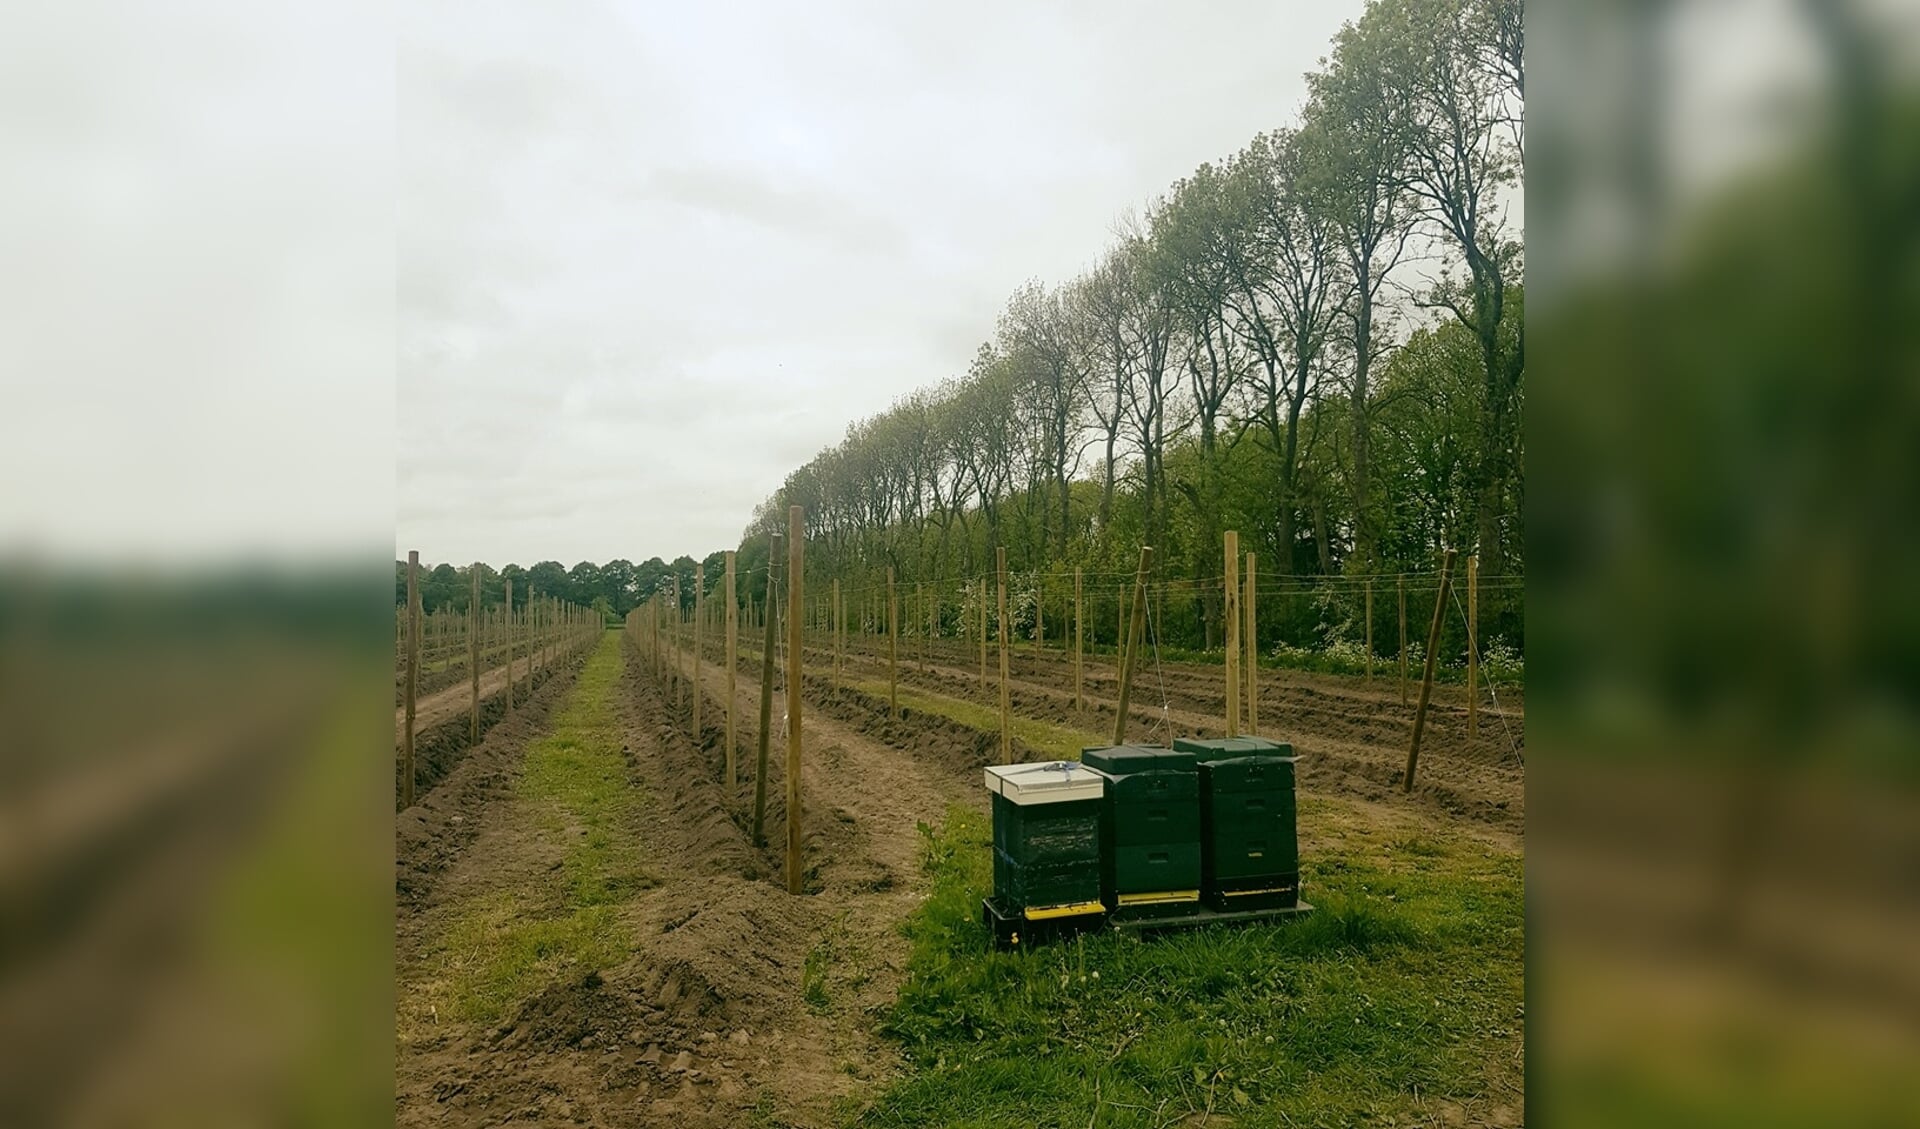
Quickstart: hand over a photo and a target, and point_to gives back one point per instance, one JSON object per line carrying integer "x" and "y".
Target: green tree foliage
{"x": 1316, "y": 341}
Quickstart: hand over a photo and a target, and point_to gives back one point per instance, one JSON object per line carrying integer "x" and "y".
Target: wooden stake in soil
{"x": 673, "y": 645}
{"x": 699, "y": 624}
{"x": 413, "y": 674}
{"x": 473, "y": 655}
{"x": 1253, "y": 647}
{"x": 839, "y": 634}
{"x": 983, "y": 636}
{"x": 766, "y": 699}
{"x": 1473, "y": 651}
{"x": 1039, "y": 618}
{"x": 1232, "y": 559}
{"x": 1401, "y": 583}
{"x": 1079, "y": 641}
{"x": 1369, "y": 630}
{"x": 796, "y": 676}
{"x": 893, "y": 648}
{"x": 733, "y": 657}
{"x": 507, "y": 623}
{"x": 1132, "y": 644}
{"x": 920, "y": 603}
{"x": 1006, "y": 713}
{"x": 1426, "y": 679}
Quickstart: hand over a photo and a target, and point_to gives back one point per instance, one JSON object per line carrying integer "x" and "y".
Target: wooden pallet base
{"x": 1011, "y": 931}
{"x": 1207, "y": 916}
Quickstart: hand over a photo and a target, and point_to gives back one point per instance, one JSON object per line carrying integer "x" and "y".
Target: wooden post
{"x": 796, "y": 677}
{"x": 1252, "y": 647}
{"x": 699, "y": 624}
{"x": 1426, "y": 680}
{"x": 673, "y": 646}
{"x": 473, "y": 655}
{"x": 733, "y": 658}
{"x": 1079, "y": 640}
{"x": 1132, "y": 644}
{"x": 1006, "y": 713}
{"x": 506, "y": 621}
{"x": 983, "y": 635}
{"x": 413, "y": 674}
{"x": 653, "y": 622}
{"x": 839, "y": 636}
{"x": 1473, "y": 650}
{"x": 1039, "y": 617}
{"x": 893, "y": 647}
{"x": 1232, "y": 615}
{"x": 1400, "y": 582}
{"x": 766, "y": 699}
{"x": 1369, "y": 630}
{"x": 1120, "y": 620}
{"x": 920, "y": 603}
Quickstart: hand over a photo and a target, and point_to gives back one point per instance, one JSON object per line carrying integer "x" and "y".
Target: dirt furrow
{"x": 454, "y": 701}
{"x": 1353, "y": 740}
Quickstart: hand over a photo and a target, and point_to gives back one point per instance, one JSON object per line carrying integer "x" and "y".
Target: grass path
{"x": 1400, "y": 1001}
{"x": 554, "y": 890}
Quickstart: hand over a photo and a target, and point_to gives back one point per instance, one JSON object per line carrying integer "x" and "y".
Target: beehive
{"x": 1249, "y": 845}
{"x": 1150, "y": 829}
{"x": 1046, "y": 839}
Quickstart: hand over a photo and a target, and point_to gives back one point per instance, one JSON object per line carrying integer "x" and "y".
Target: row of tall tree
{"x": 1316, "y": 341}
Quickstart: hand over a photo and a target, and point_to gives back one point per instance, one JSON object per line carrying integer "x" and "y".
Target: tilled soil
{"x": 454, "y": 701}
{"x": 738, "y": 1000}
{"x": 736, "y": 996}
{"x": 1352, "y": 737}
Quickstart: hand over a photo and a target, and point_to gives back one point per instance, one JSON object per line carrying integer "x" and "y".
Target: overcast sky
{"x": 653, "y": 257}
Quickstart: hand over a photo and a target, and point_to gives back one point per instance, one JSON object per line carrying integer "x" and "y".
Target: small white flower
{"x": 1096, "y": 975}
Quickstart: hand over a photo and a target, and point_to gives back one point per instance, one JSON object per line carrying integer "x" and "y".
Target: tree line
{"x": 1316, "y": 341}
{"x": 613, "y": 589}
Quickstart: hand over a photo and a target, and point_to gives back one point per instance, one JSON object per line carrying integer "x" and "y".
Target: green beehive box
{"x": 1150, "y": 835}
{"x": 1249, "y": 836}
{"x": 1155, "y": 807}
{"x": 1033, "y": 888}
{"x": 1046, "y": 838}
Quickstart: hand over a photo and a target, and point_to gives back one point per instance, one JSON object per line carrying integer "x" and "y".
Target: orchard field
{"x": 589, "y": 934}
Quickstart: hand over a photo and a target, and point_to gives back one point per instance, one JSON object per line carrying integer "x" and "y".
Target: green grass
{"x": 1053, "y": 742}
{"x": 1406, "y": 985}
{"x": 508, "y": 946}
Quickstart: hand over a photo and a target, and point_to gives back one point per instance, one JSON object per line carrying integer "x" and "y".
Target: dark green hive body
{"x": 1047, "y": 854}
{"x": 1150, "y": 834}
{"x": 1248, "y": 832}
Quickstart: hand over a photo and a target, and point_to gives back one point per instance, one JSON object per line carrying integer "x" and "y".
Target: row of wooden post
{"x": 687, "y": 683}
{"x": 1241, "y": 646}
{"x": 551, "y": 625}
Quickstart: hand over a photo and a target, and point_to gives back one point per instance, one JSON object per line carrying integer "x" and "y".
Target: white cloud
{"x": 653, "y": 257}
